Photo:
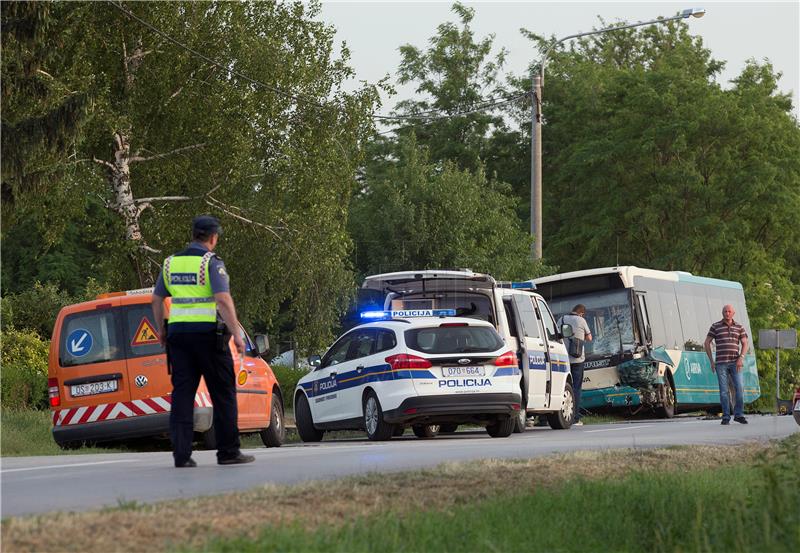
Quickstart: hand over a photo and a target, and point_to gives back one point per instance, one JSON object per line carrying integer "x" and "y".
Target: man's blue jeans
{"x": 726, "y": 371}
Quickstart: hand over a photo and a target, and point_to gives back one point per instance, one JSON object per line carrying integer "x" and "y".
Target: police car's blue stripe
{"x": 507, "y": 371}
{"x": 351, "y": 379}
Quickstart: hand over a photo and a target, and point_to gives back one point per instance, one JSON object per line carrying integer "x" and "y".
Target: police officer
{"x": 197, "y": 342}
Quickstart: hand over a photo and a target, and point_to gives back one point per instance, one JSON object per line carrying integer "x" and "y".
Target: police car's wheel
{"x": 304, "y": 421}
{"x": 501, "y": 428}
{"x": 274, "y": 434}
{"x": 562, "y": 419}
{"x": 377, "y": 428}
{"x": 447, "y": 428}
{"x": 425, "y": 430}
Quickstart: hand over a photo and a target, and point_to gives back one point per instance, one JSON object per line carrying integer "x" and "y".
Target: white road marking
{"x": 70, "y": 465}
{"x": 618, "y": 429}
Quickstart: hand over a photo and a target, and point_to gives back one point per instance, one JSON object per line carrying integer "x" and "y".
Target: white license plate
{"x": 94, "y": 388}
{"x": 463, "y": 371}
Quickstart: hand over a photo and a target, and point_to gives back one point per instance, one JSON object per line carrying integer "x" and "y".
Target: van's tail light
{"x": 52, "y": 391}
{"x": 508, "y": 359}
{"x": 406, "y": 361}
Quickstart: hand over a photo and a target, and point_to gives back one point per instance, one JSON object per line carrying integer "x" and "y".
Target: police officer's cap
{"x": 206, "y": 224}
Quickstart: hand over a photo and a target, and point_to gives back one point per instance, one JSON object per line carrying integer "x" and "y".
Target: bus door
{"x": 533, "y": 351}
{"x": 642, "y": 319}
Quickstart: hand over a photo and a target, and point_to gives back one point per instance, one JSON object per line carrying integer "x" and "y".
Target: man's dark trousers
{"x": 577, "y": 385}
{"x": 193, "y": 355}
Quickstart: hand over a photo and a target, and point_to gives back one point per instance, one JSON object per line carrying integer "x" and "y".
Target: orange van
{"x": 108, "y": 377}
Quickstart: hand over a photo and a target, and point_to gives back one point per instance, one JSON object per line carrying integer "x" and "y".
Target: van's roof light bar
{"x": 407, "y": 314}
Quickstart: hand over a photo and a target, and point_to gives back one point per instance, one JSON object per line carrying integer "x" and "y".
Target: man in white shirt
{"x": 581, "y": 332}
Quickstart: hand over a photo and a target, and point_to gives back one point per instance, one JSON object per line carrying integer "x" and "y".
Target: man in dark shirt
{"x": 728, "y": 335}
{"x": 198, "y": 283}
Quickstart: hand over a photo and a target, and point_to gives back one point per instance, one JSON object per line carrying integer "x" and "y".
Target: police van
{"x": 108, "y": 377}
{"x": 421, "y": 368}
{"x": 520, "y": 315}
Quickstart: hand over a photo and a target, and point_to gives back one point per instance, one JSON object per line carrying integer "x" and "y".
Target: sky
{"x": 733, "y": 31}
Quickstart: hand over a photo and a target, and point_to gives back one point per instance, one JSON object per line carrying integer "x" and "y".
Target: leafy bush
{"x": 24, "y": 360}
{"x": 287, "y": 378}
{"x": 35, "y": 309}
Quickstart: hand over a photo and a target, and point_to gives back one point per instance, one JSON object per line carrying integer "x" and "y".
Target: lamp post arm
{"x": 683, "y": 15}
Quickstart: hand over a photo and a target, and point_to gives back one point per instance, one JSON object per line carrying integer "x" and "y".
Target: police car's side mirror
{"x": 566, "y": 331}
{"x": 262, "y": 344}
{"x": 314, "y": 360}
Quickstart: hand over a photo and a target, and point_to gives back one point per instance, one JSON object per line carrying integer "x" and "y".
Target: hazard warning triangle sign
{"x": 145, "y": 334}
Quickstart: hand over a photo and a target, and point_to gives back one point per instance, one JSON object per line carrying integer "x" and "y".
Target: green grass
{"x": 732, "y": 509}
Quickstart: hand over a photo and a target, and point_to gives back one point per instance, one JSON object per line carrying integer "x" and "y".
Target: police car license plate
{"x": 93, "y": 388}
{"x": 463, "y": 371}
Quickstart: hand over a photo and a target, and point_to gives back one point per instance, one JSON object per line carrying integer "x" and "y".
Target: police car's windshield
{"x": 453, "y": 339}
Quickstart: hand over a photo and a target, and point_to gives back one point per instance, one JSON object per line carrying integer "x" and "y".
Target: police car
{"x": 419, "y": 368}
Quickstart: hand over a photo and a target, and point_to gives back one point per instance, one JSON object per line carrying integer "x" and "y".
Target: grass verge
{"x": 28, "y": 432}
{"x": 632, "y": 498}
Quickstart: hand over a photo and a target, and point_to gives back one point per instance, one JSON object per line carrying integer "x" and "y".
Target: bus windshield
{"x": 610, "y": 319}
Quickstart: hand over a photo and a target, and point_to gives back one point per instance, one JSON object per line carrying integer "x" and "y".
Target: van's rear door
{"x": 147, "y": 375}
{"x": 92, "y": 368}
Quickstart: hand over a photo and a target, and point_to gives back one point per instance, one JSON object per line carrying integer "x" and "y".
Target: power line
{"x": 484, "y": 103}
{"x": 430, "y": 115}
{"x": 458, "y": 114}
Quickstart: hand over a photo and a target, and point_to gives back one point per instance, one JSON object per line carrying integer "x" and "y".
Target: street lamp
{"x": 536, "y": 121}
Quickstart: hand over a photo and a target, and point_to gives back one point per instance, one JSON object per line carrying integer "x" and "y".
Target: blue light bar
{"x": 375, "y": 314}
{"x": 408, "y": 313}
{"x": 526, "y": 285}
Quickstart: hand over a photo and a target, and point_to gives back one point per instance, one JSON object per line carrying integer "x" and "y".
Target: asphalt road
{"x": 33, "y": 485}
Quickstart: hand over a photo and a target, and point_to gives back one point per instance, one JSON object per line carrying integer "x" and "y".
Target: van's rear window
{"x": 90, "y": 337}
{"x": 453, "y": 339}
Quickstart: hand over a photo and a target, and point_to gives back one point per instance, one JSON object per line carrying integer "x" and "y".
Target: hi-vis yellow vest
{"x": 187, "y": 280}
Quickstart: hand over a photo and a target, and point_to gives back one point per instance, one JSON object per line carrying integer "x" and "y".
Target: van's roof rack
{"x": 136, "y": 292}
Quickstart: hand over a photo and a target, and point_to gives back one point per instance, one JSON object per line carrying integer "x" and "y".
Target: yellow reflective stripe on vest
{"x": 188, "y": 281}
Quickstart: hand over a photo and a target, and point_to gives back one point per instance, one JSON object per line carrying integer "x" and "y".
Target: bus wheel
{"x": 666, "y": 400}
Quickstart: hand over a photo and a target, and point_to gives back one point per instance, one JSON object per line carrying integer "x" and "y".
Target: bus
{"x": 632, "y": 311}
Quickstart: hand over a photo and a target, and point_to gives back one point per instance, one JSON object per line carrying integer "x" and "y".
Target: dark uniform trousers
{"x": 192, "y": 355}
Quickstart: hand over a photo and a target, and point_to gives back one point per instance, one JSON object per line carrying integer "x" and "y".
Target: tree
{"x": 649, "y": 161}
{"x": 42, "y": 113}
{"x": 419, "y": 216}
{"x": 229, "y": 108}
{"x": 454, "y": 74}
